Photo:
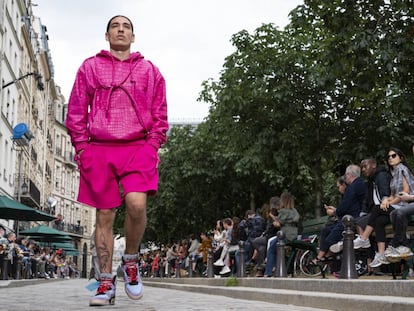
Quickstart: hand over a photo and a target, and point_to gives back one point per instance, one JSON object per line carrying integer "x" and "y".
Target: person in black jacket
{"x": 351, "y": 204}
{"x": 378, "y": 186}
{"x": 253, "y": 226}
{"x": 260, "y": 243}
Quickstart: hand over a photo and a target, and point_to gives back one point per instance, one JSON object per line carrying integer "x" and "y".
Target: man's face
{"x": 12, "y": 237}
{"x": 367, "y": 168}
{"x": 120, "y": 34}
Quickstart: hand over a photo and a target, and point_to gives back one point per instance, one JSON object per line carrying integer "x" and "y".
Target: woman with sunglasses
{"x": 399, "y": 219}
{"x": 402, "y": 181}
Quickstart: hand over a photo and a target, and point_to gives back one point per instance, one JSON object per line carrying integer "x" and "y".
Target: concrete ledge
{"x": 21, "y": 283}
{"x": 303, "y": 292}
{"x": 369, "y": 286}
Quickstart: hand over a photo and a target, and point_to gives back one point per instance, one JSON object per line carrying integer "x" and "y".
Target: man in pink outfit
{"x": 117, "y": 120}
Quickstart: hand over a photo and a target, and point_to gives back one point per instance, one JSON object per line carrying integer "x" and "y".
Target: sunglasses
{"x": 394, "y": 155}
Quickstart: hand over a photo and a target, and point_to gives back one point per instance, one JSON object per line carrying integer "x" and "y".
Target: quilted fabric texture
{"x": 117, "y": 101}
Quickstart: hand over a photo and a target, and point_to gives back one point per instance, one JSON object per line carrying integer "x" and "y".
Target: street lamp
{"x": 38, "y": 76}
{"x": 25, "y": 188}
{"x": 21, "y": 137}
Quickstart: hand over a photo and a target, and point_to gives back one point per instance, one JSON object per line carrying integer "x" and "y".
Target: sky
{"x": 188, "y": 40}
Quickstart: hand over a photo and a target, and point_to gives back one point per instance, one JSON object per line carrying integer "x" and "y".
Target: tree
{"x": 291, "y": 109}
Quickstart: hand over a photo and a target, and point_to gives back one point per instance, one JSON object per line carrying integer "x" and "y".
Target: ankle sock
{"x": 129, "y": 256}
{"x": 106, "y": 276}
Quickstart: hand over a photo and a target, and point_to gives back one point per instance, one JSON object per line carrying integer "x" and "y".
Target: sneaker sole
{"x": 101, "y": 302}
{"x": 336, "y": 249}
{"x": 134, "y": 297}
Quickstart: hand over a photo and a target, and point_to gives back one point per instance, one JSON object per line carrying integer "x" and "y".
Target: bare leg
{"x": 367, "y": 232}
{"x": 135, "y": 220}
{"x": 321, "y": 254}
{"x": 381, "y": 247}
{"x": 104, "y": 238}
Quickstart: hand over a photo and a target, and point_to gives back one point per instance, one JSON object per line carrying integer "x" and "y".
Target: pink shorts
{"x": 104, "y": 166}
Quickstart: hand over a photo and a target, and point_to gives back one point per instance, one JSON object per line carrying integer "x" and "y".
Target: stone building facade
{"x": 39, "y": 172}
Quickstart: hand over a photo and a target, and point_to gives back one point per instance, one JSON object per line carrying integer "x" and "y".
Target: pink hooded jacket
{"x": 115, "y": 101}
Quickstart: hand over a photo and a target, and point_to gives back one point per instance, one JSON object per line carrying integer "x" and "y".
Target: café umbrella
{"x": 11, "y": 209}
{"x": 46, "y": 234}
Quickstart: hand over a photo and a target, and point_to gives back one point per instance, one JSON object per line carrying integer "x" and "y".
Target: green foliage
{"x": 232, "y": 281}
{"x": 291, "y": 109}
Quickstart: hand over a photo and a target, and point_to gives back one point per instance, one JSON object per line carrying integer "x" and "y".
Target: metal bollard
{"x": 4, "y": 269}
{"x": 348, "y": 270}
{"x": 281, "y": 271}
{"x": 178, "y": 270}
{"x": 190, "y": 266}
{"x": 241, "y": 268}
{"x": 19, "y": 269}
{"x": 210, "y": 268}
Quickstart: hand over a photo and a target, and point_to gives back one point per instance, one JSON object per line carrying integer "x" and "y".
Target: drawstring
{"x": 115, "y": 86}
{"x": 132, "y": 100}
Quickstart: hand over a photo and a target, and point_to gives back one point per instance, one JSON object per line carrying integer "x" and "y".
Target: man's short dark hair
{"x": 109, "y": 23}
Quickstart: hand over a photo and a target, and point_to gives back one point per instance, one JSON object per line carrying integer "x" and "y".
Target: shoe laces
{"x": 104, "y": 286}
{"x": 132, "y": 271}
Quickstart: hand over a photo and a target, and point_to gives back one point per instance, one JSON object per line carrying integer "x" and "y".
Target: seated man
{"x": 351, "y": 204}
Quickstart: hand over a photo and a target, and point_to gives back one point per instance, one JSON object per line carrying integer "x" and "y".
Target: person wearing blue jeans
{"x": 287, "y": 220}
{"x": 271, "y": 256}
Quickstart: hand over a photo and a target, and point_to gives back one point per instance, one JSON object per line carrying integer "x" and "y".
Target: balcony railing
{"x": 71, "y": 228}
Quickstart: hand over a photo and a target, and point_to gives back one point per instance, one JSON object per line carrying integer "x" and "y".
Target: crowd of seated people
{"x": 256, "y": 231}
{"x": 383, "y": 198}
{"x": 388, "y": 200}
{"x": 23, "y": 258}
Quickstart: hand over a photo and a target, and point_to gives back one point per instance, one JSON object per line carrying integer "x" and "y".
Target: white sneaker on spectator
{"x": 404, "y": 251}
{"x": 361, "y": 243}
{"x": 225, "y": 270}
{"x": 337, "y": 247}
{"x": 379, "y": 260}
{"x": 219, "y": 262}
{"x": 392, "y": 254}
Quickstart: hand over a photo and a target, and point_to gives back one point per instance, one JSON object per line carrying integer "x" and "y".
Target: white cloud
{"x": 187, "y": 39}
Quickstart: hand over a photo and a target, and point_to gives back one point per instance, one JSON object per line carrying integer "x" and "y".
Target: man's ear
{"x": 106, "y": 36}
{"x": 133, "y": 38}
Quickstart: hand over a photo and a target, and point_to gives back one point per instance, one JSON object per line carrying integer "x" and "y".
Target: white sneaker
{"x": 337, "y": 247}
{"x": 105, "y": 295}
{"x": 361, "y": 243}
{"x": 225, "y": 270}
{"x": 404, "y": 251}
{"x": 392, "y": 254}
{"x": 219, "y": 262}
{"x": 132, "y": 278}
{"x": 379, "y": 260}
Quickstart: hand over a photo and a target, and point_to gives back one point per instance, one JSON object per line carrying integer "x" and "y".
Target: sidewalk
{"x": 71, "y": 295}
